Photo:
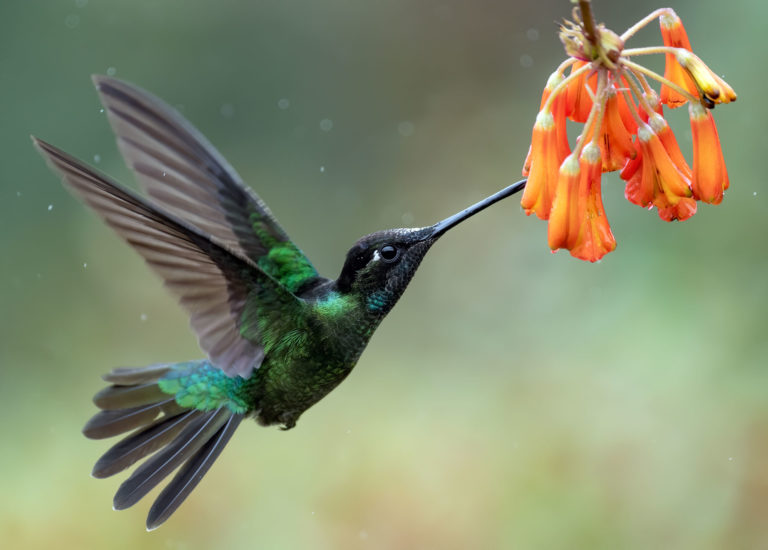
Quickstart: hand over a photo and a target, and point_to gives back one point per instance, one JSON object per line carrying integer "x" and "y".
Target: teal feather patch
{"x": 377, "y": 300}
{"x": 200, "y": 385}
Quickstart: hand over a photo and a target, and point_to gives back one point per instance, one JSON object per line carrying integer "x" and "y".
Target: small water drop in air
{"x": 322, "y": 169}
{"x": 18, "y": 193}
{"x": 85, "y": 265}
{"x": 326, "y": 125}
{"x": 101, "y": 110}
{"x": 50, "y": 207}
{"x": 97, "y": 158}
{"x": 72, "y": 21}
{"x": 143, "y": 317}
{"x": 526, "y": 61}
{"x": 284, "y": 103}
{"x": 227, "y": 110}
{"x": 406, "y": 128}
{"x": 111, "y": 71}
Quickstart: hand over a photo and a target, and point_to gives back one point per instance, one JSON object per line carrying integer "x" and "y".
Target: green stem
{"x": 630, "y": 32}
{"x": 644, "y": 70}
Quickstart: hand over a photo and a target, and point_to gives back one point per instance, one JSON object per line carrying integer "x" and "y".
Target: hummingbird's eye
{"x": 388, "y": 253}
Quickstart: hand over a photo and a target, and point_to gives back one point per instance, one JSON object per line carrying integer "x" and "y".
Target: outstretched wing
{"x": 185, "y": 175}
{"x": 211, "y": 281}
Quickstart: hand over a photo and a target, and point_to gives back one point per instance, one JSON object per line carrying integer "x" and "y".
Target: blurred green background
{"x": 513, "y": 399}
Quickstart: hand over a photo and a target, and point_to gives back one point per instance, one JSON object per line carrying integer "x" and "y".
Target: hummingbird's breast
{"x": 311, "y": 360}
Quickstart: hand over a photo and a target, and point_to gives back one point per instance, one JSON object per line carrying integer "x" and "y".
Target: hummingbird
{"x": 276, "y": 335}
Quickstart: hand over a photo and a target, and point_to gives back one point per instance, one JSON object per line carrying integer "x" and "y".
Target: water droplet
{"x": 81, "y": 3}
{"x": 101, "y": 110}
{"x": 322, "y": 169}
{"x": 111, "y": 71}
{"x": 349, "y": 432}
{"x": 72, "y": 20}
{"x": 532, "y": 34}
{"x": 164, "y": 174}
{"x": 326, "y": 124}
{"x": 18, "y": 193}
{"x": 97, "y": 158}
{"x": 227, "y": 110}
{"x": 526, "y": 60}
{"x": 406, "y": 128}
{"x": 284, "y": 103}
{"x": 730, "y": 459}
{"x": 754, "y": 193}
{"x": 50, "y": 207}
{"x": 143, "y": 317}
{"x": 85, "y": 265}
{"x": 313, "y": 512}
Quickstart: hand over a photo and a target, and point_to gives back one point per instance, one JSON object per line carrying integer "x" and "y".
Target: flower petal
{"x": 654, "y": 179}
{"x": 578, "y": 99}
{"x": 563, "y": 222}
{"x": 595, "y": 238}
{"x": 674, "y": 35}
{"x": 710, "y": 178}
{"x": 544, "y": 165}
{"x": 711, "y": 87}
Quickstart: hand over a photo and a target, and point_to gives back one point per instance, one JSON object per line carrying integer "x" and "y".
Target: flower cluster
{"x": 623, "y": 129}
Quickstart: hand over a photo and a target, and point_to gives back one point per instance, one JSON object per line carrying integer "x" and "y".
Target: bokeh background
{"x": 513, "y": 399}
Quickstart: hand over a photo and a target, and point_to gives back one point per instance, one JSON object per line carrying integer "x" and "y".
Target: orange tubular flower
{"x": 616, "y": 141}
{"x": 710, "y": 177}
{"x": 655, "y": 179}
{"x": 711, "y": 86}
{"x": 578, "y": 221}
{"x": 673, "y": 34}
{"x": 612, "y": 96}
{"x": 563, "y": 226}
{"x": 545, "y": 162}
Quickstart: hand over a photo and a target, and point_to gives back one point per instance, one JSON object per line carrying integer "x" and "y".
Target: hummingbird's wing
{"x": 186, "y": 176}
{"x": 214, "y": 285}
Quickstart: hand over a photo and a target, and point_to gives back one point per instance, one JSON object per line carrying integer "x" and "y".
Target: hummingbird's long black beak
{"x": 441, "y": 227}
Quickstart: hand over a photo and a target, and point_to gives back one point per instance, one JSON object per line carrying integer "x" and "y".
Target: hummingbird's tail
{"x": 179, "y": 413}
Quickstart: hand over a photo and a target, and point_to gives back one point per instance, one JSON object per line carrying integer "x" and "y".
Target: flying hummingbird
{"x": 278, "y": 336}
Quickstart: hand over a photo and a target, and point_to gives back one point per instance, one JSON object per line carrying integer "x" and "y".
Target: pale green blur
{"x": 513, "y": 399}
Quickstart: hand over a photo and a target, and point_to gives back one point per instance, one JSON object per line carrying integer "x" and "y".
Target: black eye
{"x": 388, "y": 253}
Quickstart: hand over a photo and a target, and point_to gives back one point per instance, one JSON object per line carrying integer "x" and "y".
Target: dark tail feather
{"x": 111, "y": 423}
{"x": 190, "y": 475}
{"x": 179, "y": 436}
{"x": 137, "y": 375}
{"x": 155, "y": 469}
{"x": 142, "y": 443}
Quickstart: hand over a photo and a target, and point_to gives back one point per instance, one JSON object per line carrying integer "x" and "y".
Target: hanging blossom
{"x": 623, "y": 129}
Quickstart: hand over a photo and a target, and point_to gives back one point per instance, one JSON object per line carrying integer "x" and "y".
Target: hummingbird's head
{"x": 379, "y": 266}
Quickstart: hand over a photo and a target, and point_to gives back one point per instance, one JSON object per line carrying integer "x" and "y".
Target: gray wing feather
{"x": 211, "y": 281}
{"x": 183, "y": 172}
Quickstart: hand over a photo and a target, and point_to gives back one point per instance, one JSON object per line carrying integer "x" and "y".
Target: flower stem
{"x": 602, "y": 84}
{"x": 650, "y": 50}
{"x": 588, "y": 20}
{"x": 644, "y": 70}
{"x": 630, "y": 32}
{"x": 641, "y": 97}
